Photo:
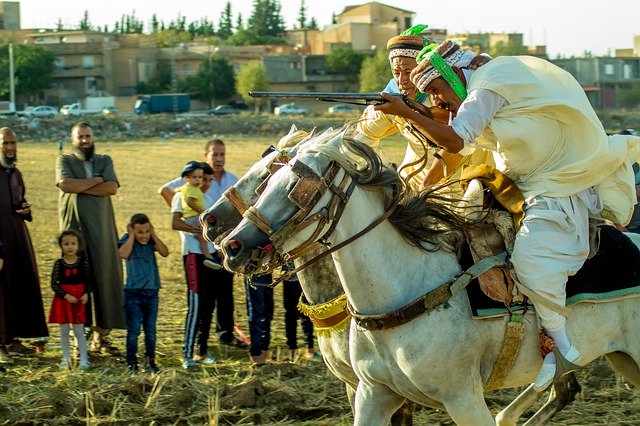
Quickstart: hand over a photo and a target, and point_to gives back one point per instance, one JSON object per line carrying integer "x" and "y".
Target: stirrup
{"x": 564, "y": 366}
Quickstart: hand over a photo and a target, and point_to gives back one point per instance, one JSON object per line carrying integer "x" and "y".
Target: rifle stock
{"x": 347, "y": 98}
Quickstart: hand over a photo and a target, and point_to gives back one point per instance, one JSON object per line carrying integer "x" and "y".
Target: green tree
{"x": 302, "y": 16}
{"x": 33, "y": 68}
{"x": 344, "y": 60}
{"x": 215, "y": 80}
{"x": 159, "y": 83}
{"x": 508, "y": 49}
{"x": 266, "y": 19}
{"x": 375, "y": 72}
{"x": 248, "y": 37}
{"x": 313, "y": 24}
{"x": 225, "y": 27}
{"x": 630, "y": 96}
{"x": 84, "y": 23}
{"x": 155, "y": 24}
{"x": 252, "y": 77}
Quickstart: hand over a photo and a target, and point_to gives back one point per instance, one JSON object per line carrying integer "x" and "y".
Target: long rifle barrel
{"x": 363, "y": 98}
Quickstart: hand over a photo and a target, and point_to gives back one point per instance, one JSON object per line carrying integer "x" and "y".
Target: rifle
{"x": 346, "y": 98}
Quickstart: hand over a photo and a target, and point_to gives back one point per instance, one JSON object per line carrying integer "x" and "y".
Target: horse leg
{"x": 563, "y": 392}
{"x": 404, "y": 415}
{"x": 351, "y": 396}
{"x": 470, "y": 409}
{"x": 375, "y": 404}
{"x": 511, "y": 413}
{"x": 625, "y": 365}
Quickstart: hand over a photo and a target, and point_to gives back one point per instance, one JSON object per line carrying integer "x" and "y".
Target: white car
{"x": 289, "y": 109}
{"x": 39, "y": 111}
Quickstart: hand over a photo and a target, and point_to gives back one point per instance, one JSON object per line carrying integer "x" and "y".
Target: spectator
{"x": 71, "y": 282}
{"x": 138, "y": 247}
{"x": 291, "y": 293}
{"x": 260, "y": 313}
{"x": 207, "y": 289}
{"x": 192, "y": 203}
{"x": 215, "y": 157}
{"x": 87, "y": 181}
{"x": 19, "y": 281}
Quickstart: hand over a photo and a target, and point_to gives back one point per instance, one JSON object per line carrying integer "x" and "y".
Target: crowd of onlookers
{"x": 92, "y": 295}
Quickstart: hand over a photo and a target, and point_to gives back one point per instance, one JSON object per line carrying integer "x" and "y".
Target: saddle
{"x": 493, "y": 206}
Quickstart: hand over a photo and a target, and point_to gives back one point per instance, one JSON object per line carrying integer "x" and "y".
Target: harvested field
{"x": 230, "y": 392}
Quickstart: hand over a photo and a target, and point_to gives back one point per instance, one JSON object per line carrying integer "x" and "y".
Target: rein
{"x": 309, "y": 189}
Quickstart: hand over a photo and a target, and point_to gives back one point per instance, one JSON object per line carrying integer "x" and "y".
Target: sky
{"x": 566, "y": 27}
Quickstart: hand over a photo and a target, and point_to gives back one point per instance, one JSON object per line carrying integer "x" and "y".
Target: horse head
{"x": 227, "y": 212}
{"x": 291, "y": 210}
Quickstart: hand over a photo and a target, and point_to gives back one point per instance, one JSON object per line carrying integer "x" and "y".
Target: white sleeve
{"x": 175, "y": 184}
{"x": 176, "y": 205}
{"x": 475, "y": 114}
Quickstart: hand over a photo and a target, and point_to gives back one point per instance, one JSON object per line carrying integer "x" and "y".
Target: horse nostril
{"x": 211, "y": 220}
{"x": 232, "y": 247}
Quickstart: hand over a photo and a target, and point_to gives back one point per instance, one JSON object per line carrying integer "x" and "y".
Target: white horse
{"x": 443, "y": 354}
{"x": 320, "y": 282}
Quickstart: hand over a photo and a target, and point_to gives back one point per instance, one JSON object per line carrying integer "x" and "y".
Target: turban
{"x": 438, "y": 62}
{"x": 408, "y": 44}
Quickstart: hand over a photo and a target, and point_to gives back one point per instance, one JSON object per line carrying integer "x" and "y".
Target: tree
{"x": 225, "y": 27}
{"x": 313, "y": 24}
{"x": 252, "y": 77}
{"x": 266, "y": 19}
{"x": 302, "y": 16}
{"x": 33, "y": 68}
{"x": 344, "y": 60}
{"x": 214, "y": 80}
{"x": 160, "y": 83}
{"x": 84, "y": 24}
{"x": 248, "y": 37}
{"x": 155, "y": 25}
{"x": 508, "y": 49}
{"x": 375, "y": 72}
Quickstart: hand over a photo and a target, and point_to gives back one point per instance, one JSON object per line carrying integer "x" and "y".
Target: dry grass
{"x": 34, "y": 391}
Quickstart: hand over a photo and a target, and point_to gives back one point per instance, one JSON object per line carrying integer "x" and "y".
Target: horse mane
{"x": 427, "y": 220}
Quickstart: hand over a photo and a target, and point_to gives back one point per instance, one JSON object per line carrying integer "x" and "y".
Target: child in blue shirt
{"x": 138, "y": 247}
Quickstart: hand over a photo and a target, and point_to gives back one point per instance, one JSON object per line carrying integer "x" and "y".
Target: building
{"x": 363, "y": 28}
{"x": 604, "y": 79}
{"x": 494, "y": 43}
{"x": 9, "y": 15}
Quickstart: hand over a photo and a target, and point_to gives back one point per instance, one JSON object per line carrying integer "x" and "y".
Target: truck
{"x": 93, "y": 104}
{"x": 7, "y": 108}
{"x": 164, "y": 102}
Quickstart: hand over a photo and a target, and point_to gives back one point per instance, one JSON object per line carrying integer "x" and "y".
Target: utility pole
{"x": 12, "y": 86}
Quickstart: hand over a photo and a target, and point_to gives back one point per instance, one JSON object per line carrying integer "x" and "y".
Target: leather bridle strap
{"x": 338, "y": 246}
{"x": 234, "y": 198}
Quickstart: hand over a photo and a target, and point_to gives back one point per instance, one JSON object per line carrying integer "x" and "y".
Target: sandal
{"x": 235, "y": 342}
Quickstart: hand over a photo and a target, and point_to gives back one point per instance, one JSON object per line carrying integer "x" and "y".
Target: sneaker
{"x": 235, "y": 342}
{"x": 190, "y": 365}
{"x": 17, "y": 348}
{"x": 132, "y": 367}
{"x": 5, "y": 358}
{"x": 548, "y": 371}
{"x": 84, "y": 365}
{"x": 212, "y": 263}
{"x": 65, "y": 364}
{"x": 205, "y": 359}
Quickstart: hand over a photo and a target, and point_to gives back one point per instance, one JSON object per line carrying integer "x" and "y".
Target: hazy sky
{"x": 567, "y": 27}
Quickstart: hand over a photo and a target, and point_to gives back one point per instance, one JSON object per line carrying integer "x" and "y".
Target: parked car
{"x": 337, "y": 109}
{"x": 109, "y": 110}
{"x": 39, "y": 111}
{"x": 223, "y": 110}
{"x": 289, "y": 109}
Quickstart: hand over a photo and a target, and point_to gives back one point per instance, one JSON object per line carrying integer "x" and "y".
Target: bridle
{"x": 306, "y": 193}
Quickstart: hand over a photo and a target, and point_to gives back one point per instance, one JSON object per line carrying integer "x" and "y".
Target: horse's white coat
{"x": 444, "y": 355}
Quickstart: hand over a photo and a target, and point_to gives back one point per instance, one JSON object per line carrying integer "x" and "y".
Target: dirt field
{"x": 230, "y": 392}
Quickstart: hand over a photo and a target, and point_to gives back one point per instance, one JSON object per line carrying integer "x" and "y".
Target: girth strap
{"x": 429, "y": 301}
